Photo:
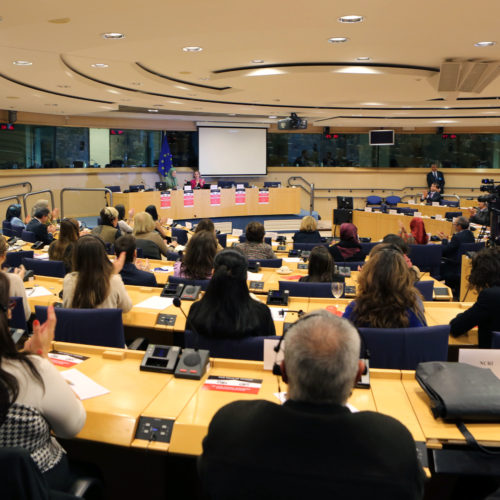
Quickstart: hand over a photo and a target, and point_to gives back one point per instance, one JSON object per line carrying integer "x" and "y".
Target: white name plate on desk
{"x": 482, "y": 358}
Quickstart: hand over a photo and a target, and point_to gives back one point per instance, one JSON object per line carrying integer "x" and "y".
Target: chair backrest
{"x": 426, "y": 288}
{"x": 18, "y": 319}
{"x": 308, "y": 246}
{"x": 367, "y": 247}
{"x": 173, "y": 256}
{"x": 406, "y": 210}
{"x": 404, "y": 348}
{"x": 114, "y": 189}
{"x": 427, "y": 258}
{"x": 54, "y": 268}
{"x": 393, "y": 200}
{"x": 222, "y": 238}
{"x": 187, "y": 281}
{"x": 373, "y": 200}
{"x": 272, "y": 184}
{"x": 353, "y": 266}
{"x": 250, "y": 348}
{"x": 266, "y": 262}
{"x": 226, "y": 184}
{"x": 17, "y": 231}
{"x": 267, "y": 239}
{"x": 110, "y": 248}
{"x": 15, "y": 259}
{"x": 150, "y": 250}
{"x": 7, "y": 228}
{"x": 451, "y": 215}
{"x": 495, "y": 340}
{"x": 180, "y": 234}
{"x": 102, "y": 327}
{"x": 469, "y": 247}
{"x": 449, "y": 203}
{"x": 28, "y": 236}
{"x": 305, "y": 289}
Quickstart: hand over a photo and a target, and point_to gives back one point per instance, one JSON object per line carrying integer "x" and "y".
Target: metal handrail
{"x": 25, "y": 183}
{"x": 106, "y": 190}
{"x": 33, "y": 193}
{"x": 13, "y": 197}
{"x": 310, "y": 192}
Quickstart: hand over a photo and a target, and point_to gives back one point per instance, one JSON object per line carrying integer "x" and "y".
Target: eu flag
{"x": 165, "y": 160}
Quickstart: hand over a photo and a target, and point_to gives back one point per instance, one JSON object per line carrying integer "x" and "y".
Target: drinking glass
{"x": 337, "y": 289}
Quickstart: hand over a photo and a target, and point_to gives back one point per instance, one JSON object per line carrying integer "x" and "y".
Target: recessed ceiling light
{"x": 136, "y": 83}
{"x": 180, "y": 87}
{"x": 231, "y": 114}
{"x": 372, "y": 103}
{"x": 363, "y": 58}
{"x": 22, "y": 63}
{"x": 444, "y": 121}
{"x": 484, "y": 44}
{"x": 64, "y": 86}
{"x": 358, "y": 70}
{"x": 257, "y": 61}
{"x": 204, "y": 78}
{"x": 113, "y": 36}
{"x": 272, "y": 117}
{"x": 113, "y": 91}
{"x": 338, "y": 39}
{"x": 266, "y": 72}
{"x": 193, "y": 48}
{"x": 185, "y": 72}
{"x": 100, "y": 65}
{"x": 152, "y": 111}
{"x": 175, "y": 102}
{"x": 350, "y": 19}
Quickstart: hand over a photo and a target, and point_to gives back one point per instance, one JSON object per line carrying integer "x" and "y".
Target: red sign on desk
{"x": 240, "y": 197}
{"x": 233, "y": 384}
{"x": 263, "y": 196}
{"x": 188, "y": 199}
{"x": 215, "y": 197}
{"x": 165, "y": 200}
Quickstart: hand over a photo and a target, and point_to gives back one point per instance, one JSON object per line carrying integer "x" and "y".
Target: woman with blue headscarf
{"x": 13, "y": 215}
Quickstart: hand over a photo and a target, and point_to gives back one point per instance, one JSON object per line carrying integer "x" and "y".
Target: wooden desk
{"x": 430, "y": 210}
{"x": 467, "y": 293}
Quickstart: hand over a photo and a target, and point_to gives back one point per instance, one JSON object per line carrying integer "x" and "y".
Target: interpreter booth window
{"x": 183, "y": 148}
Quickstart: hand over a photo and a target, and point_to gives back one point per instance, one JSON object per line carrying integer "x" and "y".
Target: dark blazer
{"x": 450, "y": 250}
{"x": 431, "y": 197}
{"x": 40, "y": 231}
{"x": 482, "y": 217}
{"x": 440, "y": 179}
{"x": 133, "y": 276}
{"x": 258, "y": 449}
{"x": 307, "y": 237}
{"x": 483, "y": 314}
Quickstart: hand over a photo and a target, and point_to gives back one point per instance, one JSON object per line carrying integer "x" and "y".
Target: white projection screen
{"x": 232, "y": 151}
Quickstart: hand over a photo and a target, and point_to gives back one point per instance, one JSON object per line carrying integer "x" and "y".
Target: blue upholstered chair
{"x": 114, "y": 189}
{"x": 451, "y": 215}
{"x": 187, "y": 281}
{"x": 495, "y": 340}
{"x": 449, "y": 203}
{"x": 7, "y": 229}
{"x": 54, "y": 268}
{"x": 427, "y": 258}
{"x": 367, "y": 247}
{"x": 28, "y": 236}
{"x": 102, "y": 327}
{"x": 17, "y": 231}
{"x": 353, "y": 266}
{"x": 393, "y": 200}
{"x": 150, "y": 250}
{"x": 426, "y": 288}
{"x": 469, "y": 247}
{"x": 406, "y": 210}
{"x": 180, "y": 234}
{"x": 308, "y": 246}
{"x": 267, "y": 240}
{"x": 266, "y": 262}
{"x": 222, "y": 239}
{"x": 173, "y": 256}
{"x": 404, "y": 348}
{"x": 305, "y": 289}
{"x": 250, "y": 348}
{"x": 18, "y": 319}
{"x": 15, "y": 259}
{"x": 373, "y": 200}
{"x": 272, "y": 184}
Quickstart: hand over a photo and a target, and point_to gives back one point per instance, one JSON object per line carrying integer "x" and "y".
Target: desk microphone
{"x": 299, "y": 312}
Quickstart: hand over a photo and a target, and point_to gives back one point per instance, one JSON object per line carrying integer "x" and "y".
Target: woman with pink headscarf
{"x": 348, "y": 249}
{"x": 418, "y": 235}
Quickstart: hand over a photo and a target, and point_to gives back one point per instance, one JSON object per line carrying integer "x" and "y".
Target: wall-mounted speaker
{"x": 12, "y": 116}
{"x": 439, "y": 130}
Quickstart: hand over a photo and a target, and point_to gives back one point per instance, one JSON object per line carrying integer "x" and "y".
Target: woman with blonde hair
{"x": 386, "y": 297}
{"x": 144, "y": 229}
{"x": 308, "y": 232}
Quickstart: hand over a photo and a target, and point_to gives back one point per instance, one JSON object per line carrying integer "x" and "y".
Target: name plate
{"x": 368, "y": 209}
{"x": 482, "y": 358}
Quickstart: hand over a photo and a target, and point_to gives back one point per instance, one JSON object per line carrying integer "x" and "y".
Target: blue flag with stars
{"x": 165, "y": 160}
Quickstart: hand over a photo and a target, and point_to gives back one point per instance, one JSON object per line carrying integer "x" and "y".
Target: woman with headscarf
{"x": 417, "y": 235}
{"x": 348, "y": 249}
{"x": 13, "y": 215}
{"x": 171, "y": 179}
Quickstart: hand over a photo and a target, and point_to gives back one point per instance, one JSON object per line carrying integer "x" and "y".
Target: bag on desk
{"x": 460, "y": 391}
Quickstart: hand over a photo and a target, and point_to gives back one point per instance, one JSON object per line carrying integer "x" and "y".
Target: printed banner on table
{"x": 263, "y": 196}
{"x": 233, "y": 384}
{"x": 214, "y": 197}
{"x": 165, "y": 200}
{"x": 240, "y": 197}
{"x": 188, "y": 199}
{"x": 66, "y": 359}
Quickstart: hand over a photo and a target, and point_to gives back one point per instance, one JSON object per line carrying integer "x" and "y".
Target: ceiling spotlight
{"x": 22, "y": 63}
{"x": 363, "y": 58}
{"x": 350, "y": 19}
{"x": 204, "y": 78}
{"x": 100, "y": 65}
{"x": 272, "y": 117}
{"x": 229, "y": 114}
{"x": 338, "y": 39}
{"x": 257, "y": 61}
{"x": 484, "y": 44}
{"x": 152, "y": 111}
{"x": 192, "y": 49}
{"x": 136, "y": 83}
{"x": 113, "y": 36}
{"x": 64, "y": 86}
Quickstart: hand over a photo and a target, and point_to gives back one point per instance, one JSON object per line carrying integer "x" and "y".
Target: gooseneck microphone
{"x": 193, "y": 358}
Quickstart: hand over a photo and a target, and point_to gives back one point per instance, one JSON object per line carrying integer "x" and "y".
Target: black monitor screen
{"x": 381, "y": 137}
{"x": 345, "y": 202}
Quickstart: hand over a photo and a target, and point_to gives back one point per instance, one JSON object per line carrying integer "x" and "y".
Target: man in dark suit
{"x": 435, "y": 176}
{"x": 481, "y": 214}
{"x": 38, "y": 226}
{"x": 129, "y": 273}
{"x": 431, "y": 196}
{"x": 313, "y": 446}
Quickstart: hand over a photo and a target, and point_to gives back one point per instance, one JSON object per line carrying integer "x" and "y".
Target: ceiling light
{"x": 257, "y": 61}
{"x": 100, "y": 65}
{"x": 444, "y": 121}
{"x": 113, "y": 91}
{"x": 180, "y": 87}
{"x": 136, "y": 83}
{"x": 266, "y": 72}
{"x": 152, "y": 111}
{"x": 272, "y": 117}
{"x": 174, "y": 102}
{"x": 350, "y": 19}
{"x": 64, "y": 86}
{"x": 113, "y": 36}
{"x": 484, "y": 44}
{"x": 192, "y": 49}
{"x": 230, "y": 114}
{"x": 363, "y": 58}
{"x": 338, "y": 39}
{"x": 372, "y": 103}
{"x": 22, "y": 63}
{"x": 358, "y": 70}
{"x": 204, "y": 78}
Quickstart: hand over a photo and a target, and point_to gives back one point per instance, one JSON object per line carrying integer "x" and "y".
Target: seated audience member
{"x": 433, "y": 195}
{"x": 124, "y": 223}
{"x": 144, "y": 229}
{"x": 16, "y": 286}
{"x": 348, "y": 249}
{"x": 227, "y": 311}
{"x": 312, "y": 446}
{"x": 171, "y": 179}
{"x": 38, "y": 226}
{"x": 321, "y": 267}
{"x": 108, "y": 230}
{"x": 151, "y": 210}
{"x": 62, "y": 248}
{"x": 197, "y": 182}
{"x": 198, "y": 259}
{"x": 129, "y": 273}
{"x": 385, "y": 295}
{"x": 208, "y": 225}
{"x": 485, "y": 279}
{"x": 308, "y": 232}
{"x": 418, "y": 235}
{"x": 254, "y": 247}
{"x": 35, "y": 399}
{"x": 481, "y": 214}
{"x": 95, "y": 282}
{"x": 13, "y": 215}
{"x": 400, "y": 244}
{"x": 53, "y": 214}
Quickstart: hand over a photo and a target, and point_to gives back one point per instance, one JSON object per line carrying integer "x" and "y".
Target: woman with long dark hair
{"x": 321, "y": 267}
{"x": 227, "y": 310}
{"x": 95, "y": 282}
{"x": 123, "y": 222}
{"x": 62, "y": 248}
{"x": 34, "y": 398}
{"x": 13, "y": 215}
{"x": 198, "y": 258}
{"x": 151, "y": 210}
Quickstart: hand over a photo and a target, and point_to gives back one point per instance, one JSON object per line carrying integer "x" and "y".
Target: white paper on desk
{"x": 278, "y": 313}
{"x": 271, "y": 234}
{"x": 482, "y": 358}
{"x": 156, "y": 303}
{"x": 41, "y": 256}
{"x": 189, "y": 225}
{"x": 282, "y": 396}
{"x": 393, "y": 212}
{"x": 38, "y": 291}
{"x": 292, "y": 259}
{"x": 270, "y": 355}
{"x": 435, "y": 204}
{"x": 438, "y": 217}
{"x": 237, "y": 232}
{"x": 417, "y": 214}
{"x": 352, "y": 408}
{"x": 254, "y": 276}
{"x": 368, "y": 209}
{"x": 164, "y": 269}
{"x": 83, "y": 386}
{"x": 170, "y": 221}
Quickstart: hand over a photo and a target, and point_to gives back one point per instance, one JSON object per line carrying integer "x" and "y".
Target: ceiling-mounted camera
{"x": 292, "y": 123}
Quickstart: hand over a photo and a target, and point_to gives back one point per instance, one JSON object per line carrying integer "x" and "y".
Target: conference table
{"x": 433, "y": 210}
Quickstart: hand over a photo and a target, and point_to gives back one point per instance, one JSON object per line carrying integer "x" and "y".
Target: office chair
{"x": 17, "y": 231}
{"x": 180, "y": 234}
{"x": 187, "y": 281}
{"x": 495, "y": 340}
{"x": 15, "y": 259}
{"x": 393, "y": 200}
{"x": 266, "y": 262}
{"x": 7, "y": 228}
{"x": 150, "y": 250}
{"x": 427, "y": 258}
{"x": 18, "y": 318}
{"x": 222, "y": 239}
{"x": 28, "y": 236}
{"x": 308, "y": 246}
{"x": 306, "y": 289}
{"x": 373, "y": 201}
{"x": 114, "y": 189}
{"x": 267, "y": 239}
{"x": 426, "y": 288}
{"x": 40, "y": 267}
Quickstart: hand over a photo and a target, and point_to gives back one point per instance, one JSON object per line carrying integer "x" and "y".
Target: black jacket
{"x": 307, "y": 237}
{"x": 440, "y": 180}
{"x": 40, "y": 231}
{"x": 450, "y": 249}
{"x": 133, "y": 276}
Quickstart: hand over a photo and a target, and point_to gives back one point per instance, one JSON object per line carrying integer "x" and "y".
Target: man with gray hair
{"x": 312, "y": 446}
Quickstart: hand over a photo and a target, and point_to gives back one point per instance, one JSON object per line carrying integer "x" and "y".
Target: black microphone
{"x": 299, "y": 312}
{"x": 193, "y": 358}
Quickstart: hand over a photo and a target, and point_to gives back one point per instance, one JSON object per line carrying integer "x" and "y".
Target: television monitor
{"x": 381, "y": 137}
{"x": 345, "y": 202}
{"x": 161, "y": 186}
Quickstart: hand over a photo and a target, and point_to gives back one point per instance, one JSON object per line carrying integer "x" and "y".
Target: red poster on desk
{"x": 263, "y": 196}
{"x": 240, "y": 197}
{"x": 215, "y": 197}
{"x": 233, "y": 384}
{"x": 188, "y": 199}
{"x": 165, "y": 200}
